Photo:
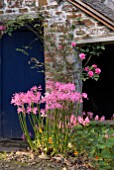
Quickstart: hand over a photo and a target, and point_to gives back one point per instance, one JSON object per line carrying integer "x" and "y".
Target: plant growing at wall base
{"x": 59, "y": 114}
{"x": 57, "y": 128}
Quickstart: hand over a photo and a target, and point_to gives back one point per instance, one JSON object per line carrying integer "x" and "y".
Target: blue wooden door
{"x": 16, "y": 76}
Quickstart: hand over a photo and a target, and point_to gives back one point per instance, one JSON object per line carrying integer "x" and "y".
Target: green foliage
{"x": 25, "y": 21}
{"x": 92, "y": 50}
{"x": 64, "y": 65}
{"x": 93, "y": 141}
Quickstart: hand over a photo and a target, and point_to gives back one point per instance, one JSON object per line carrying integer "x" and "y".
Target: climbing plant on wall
{"x": 64, "y": 56}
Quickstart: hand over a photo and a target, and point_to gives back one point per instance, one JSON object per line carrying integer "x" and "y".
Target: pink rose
{"x": 73, "y": 44}
{"x": 82, "y": 56}
{"x": 90, "y": 73}
{"x": 94, "y": 66}
{"x": 86, "y": 68}
{"x": 2, "y": 28}
{"x": 97, "y": 70}
{"x": 60, "y": 47}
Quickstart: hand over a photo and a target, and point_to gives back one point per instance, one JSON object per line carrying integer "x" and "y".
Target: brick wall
{"x": 57, "y": 17}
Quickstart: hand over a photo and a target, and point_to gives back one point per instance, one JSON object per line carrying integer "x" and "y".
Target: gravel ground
{"x": 42, "y": 165}
{"x": 22, "y": 161}
{"x": 14, "y": 156}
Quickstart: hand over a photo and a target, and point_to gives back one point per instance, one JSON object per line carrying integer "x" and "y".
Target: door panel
{"x": 0, "y": 92}
{"x": 17, "y": 76}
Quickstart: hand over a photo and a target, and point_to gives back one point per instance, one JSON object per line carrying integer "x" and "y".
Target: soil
{"x": 14, "y": 156}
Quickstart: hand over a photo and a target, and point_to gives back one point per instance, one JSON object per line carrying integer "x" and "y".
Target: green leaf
{"x": 105, "y": 154}
{"x": 95, "y": 79}
{"x": 71, "y": 36}
{"x": 103, "y": 47}
{"x": 101, "y": 146}
{"x": 73, "y": 27}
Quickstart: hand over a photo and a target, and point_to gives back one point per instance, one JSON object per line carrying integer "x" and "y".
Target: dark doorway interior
{"x": 101, "y": 92}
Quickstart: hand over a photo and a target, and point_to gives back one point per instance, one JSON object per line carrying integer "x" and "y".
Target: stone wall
{"x": 87, "y": 29}
{"x": 57, "y": 16}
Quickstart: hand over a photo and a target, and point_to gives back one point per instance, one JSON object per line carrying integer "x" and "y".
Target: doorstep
{"x": 12, "y": 145}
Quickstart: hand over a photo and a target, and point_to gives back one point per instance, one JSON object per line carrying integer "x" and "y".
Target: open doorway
{"x": 101, "y": 92}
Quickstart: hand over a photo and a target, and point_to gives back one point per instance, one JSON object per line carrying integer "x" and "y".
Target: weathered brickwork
{"x": 58, "y": 17}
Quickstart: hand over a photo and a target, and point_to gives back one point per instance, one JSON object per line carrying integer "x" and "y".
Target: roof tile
{"x": 102, "y": 7}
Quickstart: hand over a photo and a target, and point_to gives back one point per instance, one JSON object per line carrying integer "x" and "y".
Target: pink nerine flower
{"x": 43, "y": 113}
{"x": 83, "y": 113}
{"x": 73, "y": 44}
{"x": 102, "y": 118}
{"x": 97, "y": 70}
{"x": 80, "y": 119}
{"x": 34, "y": 110}
{"x": 87, "y": 120}
{"x": 84, "y": 95}
{"x": 96, "y": 117}
{"x": 94, "y": 66}
{"x": 21, "y": 109}
{"x": 90, "y": 114}
{"x": 82, "y": 56}
{"x": 73, "y": 120}
{"x": 34, "y": 88}
{"x": 113, "y": 116}
{"x": 90, "y": 73}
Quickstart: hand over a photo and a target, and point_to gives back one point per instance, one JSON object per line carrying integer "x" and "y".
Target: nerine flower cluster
{"x": 55, "y": 98}
{"x": 59, "y": 96}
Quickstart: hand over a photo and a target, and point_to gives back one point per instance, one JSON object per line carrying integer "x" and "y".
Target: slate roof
{"x": 101, "y": 7}
{"x": 101, "y": 10}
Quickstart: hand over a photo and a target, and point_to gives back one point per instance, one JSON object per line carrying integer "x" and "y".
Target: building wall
{"x": 58, "y": 17}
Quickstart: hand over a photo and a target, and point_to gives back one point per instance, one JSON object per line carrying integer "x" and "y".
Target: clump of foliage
{"x": 58, "y": 129}
{"x": 97, "y": 141}
{"x": 59, "y": 106}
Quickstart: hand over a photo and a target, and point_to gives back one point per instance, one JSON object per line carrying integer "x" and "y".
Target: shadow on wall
{"x": 101, "y": 93}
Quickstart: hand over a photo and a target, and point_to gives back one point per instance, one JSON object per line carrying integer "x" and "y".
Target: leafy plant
{"x": 58, "y": 111}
